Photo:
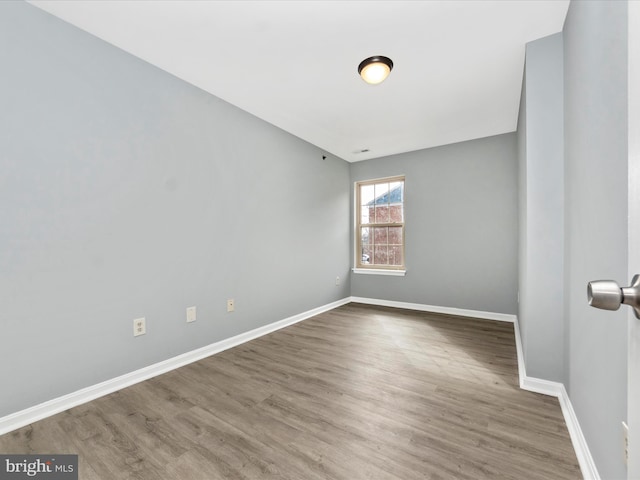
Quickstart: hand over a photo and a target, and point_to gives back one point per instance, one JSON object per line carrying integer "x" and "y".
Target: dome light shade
{"x": 374, "y": 70}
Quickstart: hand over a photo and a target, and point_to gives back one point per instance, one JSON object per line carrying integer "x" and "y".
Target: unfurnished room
{"x": 319, "y": 240}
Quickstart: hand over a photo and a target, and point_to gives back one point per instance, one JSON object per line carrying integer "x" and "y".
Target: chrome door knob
{"x": 607, "y": 295}
{"x": 604, "y": 294}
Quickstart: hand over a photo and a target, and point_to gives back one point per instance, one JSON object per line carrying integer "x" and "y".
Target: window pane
{"x": 382, "y": 193}
{"x": 381, "y": 256}
{"x": 395, "y": 235}
{"x": 395, "y": 214}
{"x": 381, "y": 203}
{"x": 380, "y": 236}
{"x": 367, "y": 254}
{"x": 382, "y": 214}
{"x": 365, "y": 236}
{"x": 397, "y": 192}
{"x": 395, "y": 255}
{"x": 367, "y": 194}
{"x": 367, "y": 215}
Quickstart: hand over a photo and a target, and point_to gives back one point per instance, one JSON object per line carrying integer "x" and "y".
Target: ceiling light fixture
{"x": 374, "y": 70}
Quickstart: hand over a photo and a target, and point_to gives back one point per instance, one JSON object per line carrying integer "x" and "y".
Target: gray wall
{"x": 125, "y": 192}
{"x": 563, "y": 338}
{"x": 541, "y": 198}
{"x": 595, "y": 100}
{"x": 521, "y": 147}
{"x": 461, "y": 226}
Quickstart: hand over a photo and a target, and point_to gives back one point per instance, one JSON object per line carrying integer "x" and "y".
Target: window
{"x": 380, "y": 224}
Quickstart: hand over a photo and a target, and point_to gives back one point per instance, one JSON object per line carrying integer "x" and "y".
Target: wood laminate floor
{"x": 359, "y": 392}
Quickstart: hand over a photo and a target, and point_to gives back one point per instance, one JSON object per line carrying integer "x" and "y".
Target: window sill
{"x": 379, "y": 271}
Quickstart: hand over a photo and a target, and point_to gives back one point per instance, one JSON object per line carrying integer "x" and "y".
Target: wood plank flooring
{"x": 359, "y": 392}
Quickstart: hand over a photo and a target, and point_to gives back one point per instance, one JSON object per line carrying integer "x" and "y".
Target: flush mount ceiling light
{"x": 374, "y": 70}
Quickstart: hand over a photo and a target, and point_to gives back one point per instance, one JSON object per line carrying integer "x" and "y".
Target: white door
{"x": 633, "y": 404}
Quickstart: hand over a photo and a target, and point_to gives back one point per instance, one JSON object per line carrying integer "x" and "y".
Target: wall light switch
{"x": 191, "y": 314}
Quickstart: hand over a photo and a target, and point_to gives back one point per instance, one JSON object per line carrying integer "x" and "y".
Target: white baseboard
{"x": 38, "y": 412}
{"x": 556, "y": 389}
{"x": 522, "y": 369}
{"x": 545, "y": 387}
{"x": 501, "y": 317}
{"x": 587, "y": 465}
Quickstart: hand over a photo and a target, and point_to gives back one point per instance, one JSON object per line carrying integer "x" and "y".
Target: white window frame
{"x": 374, "y": 269}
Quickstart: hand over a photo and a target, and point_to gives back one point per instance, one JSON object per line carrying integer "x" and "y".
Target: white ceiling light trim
{"x": 376, "y": 69}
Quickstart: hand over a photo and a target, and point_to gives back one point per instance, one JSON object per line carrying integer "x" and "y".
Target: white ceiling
{"x": 457, "y": 74}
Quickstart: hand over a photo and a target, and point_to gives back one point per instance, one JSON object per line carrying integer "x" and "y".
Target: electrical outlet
{"x": 191, "y": 314}
{"x": 625, "y": 433}
{"x": 231, "y": 306}
{"x": 139, "y": 326}
{"x": 337, "y": 281}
